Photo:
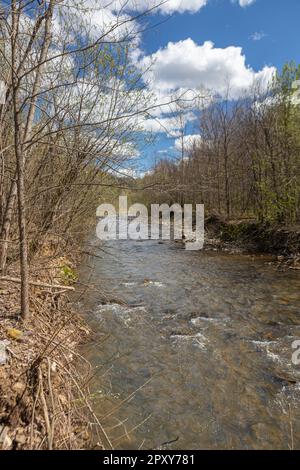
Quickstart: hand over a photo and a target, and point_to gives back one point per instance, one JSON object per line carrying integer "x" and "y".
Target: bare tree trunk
{"x": 24, "y": 269}
{"x": 8, "y": 215}
{"x": 227, "y": 189}
{"x": 20, "y": 163}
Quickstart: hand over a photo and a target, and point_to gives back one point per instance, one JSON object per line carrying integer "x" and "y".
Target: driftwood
{"x": 36, "y": 283}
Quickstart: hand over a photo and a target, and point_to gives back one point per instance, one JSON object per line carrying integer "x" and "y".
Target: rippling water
{"x": 203, "y": 339}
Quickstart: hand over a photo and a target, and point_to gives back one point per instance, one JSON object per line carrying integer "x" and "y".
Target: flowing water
{"x": 192, "y": 347}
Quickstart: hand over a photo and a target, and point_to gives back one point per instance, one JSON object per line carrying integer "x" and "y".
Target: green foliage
{"x": 284, "y": 80}
{"x": 234, "y": 232}
{"x": 276, "y": 161}
{"x": 248, "y": 162}
{"x": 68, "y": 274}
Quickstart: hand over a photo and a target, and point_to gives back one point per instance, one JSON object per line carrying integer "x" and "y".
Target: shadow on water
{"x": 205, "y": 340}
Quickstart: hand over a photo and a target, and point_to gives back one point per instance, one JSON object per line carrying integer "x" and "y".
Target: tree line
{"x": 246, "y": 162}
{"x": 71, "y": 102}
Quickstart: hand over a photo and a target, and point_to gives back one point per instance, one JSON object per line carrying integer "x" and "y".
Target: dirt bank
{"x": 44, "y": 395}
{"x": 253, "y": 237}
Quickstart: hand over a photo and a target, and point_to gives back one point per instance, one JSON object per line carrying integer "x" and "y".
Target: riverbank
{"x": 249, "y": 236}
{"x": 44, "y": 394}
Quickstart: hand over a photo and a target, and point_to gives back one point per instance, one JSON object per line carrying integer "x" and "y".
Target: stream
{"x": 192, "y": 350}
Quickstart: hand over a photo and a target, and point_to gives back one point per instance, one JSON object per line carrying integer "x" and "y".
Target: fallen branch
{"x": 104, "y": 437}
{"x": 36, "y": 283}
{"x": 45, "y": 410}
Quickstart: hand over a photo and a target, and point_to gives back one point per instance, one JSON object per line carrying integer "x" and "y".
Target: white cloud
{"x": 115, "y": 18}
{"x": 188, "y": 142}
{"x": 133, "y": 6}
{"x": 168, "y": 6}
{"x": 185, "y": 65}
{"x": 103, "y": 13}
{"x": 182, "y": 6}
{"x": 246, "y": 3}
{"x": 258, "y": 36}
{"x": 96, "y": 17}
{"x": 168, "y": 125}
{"x": 128, "y": 172}
{"x": 159, "y": 125}
{"x": 182, "y": 67}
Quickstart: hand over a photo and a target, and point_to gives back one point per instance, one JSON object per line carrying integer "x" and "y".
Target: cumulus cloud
{"x": 182, "y": 6}
{"x": 97, "y": 18}
{"x": 168, "y": 6}
{"x": 159, "y": 125}
{"x": 246, "y": 3}
{"x": 184, "y": 67}
{"x": 102, "y": 13}
{"x": 187, "y": 65}
{"x": 131, "y": 6}
{"x": 188, "y": 142}
{"x": 169, "y": 125}
{"x": 116, "y": 19}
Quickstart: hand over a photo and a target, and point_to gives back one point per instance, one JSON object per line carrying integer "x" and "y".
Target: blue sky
{"x": 225, "y": 23}
{"x": 198, "y": 47}
{"x": 267, "y": 31}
